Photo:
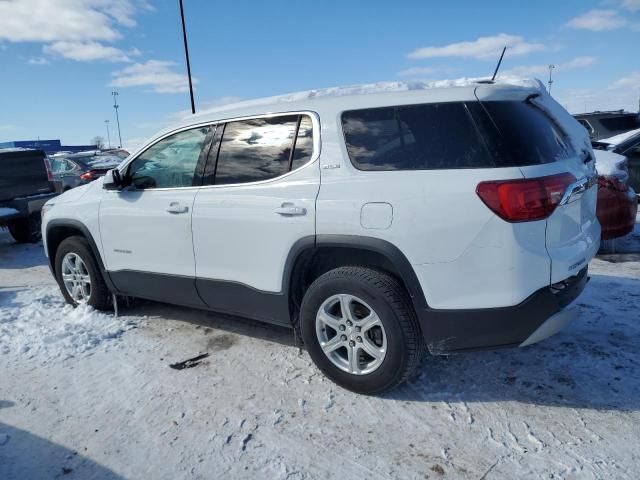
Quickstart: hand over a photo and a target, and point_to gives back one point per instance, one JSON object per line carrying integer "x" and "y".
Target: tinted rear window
{"x": 623, "y": 123}
{"x": 452, "y": 135}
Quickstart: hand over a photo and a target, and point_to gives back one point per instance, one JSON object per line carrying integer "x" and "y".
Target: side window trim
{"x": 293, "y": 144}
{"x": 315, "y": 153}
{"x": 211, "y": 164}
{"x": 198, "y": 177}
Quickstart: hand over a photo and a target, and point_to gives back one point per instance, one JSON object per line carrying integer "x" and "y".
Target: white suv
{"x": 379, "y": 224}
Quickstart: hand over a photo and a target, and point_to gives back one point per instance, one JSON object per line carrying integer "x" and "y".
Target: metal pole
{"x": 106, "y": 122}
{"x": 116, "y": 106}
{"x": 551, "y": 67}
{"x": 186, "y": 54}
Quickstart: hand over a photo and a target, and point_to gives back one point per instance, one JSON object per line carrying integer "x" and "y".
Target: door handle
{"x": 175, "y": 208}
{"x": 288, "y": 209}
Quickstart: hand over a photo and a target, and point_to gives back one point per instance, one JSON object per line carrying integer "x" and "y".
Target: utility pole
{"x": 186, "y": 54}
{"x": 116, "y": 106}
{"x": 551, "y": 67}
{"x": 106, "y": 122}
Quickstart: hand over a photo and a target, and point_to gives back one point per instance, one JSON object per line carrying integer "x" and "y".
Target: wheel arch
{"x": 59, "y": 229}
{"x": 311, "y": 256}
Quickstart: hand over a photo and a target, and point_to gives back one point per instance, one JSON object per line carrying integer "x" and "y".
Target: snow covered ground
{"x": 86, "y": 395}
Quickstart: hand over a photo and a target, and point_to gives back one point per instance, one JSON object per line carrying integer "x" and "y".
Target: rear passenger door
{"x": 257, "y": 200}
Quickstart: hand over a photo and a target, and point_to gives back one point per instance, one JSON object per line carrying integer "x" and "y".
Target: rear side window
{"x": 451, "y": 136}
{"x": 260, "y": 149}
{"x": 520, "y": 134}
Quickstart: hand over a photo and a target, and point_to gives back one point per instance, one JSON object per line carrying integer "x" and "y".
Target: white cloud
{"x": 159, "y": 75}
{"x": 88, "y": 51}
{"x": 203, "y": 107}
{"x": 424, "y": 72}
{"x": 537, "y": 70}
{"x": 481, "y": 48}
{"x": 622, "y": 93}
{"x": 55, "y": 20}
{"x": 74, "y": 29}
{"x": 598, "y": 21}
{"x": 38, "y": 61}
{"x": 631, "y": 81}
{"x": 631, "y": 5}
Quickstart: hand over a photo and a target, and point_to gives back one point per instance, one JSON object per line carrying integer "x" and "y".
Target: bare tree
{"x": 98, "y": 140}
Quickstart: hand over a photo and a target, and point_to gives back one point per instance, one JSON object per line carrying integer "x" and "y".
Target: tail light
{"x": 618, "y": 179}
{"x": 614, "y": 182}
{"x": 527, "y": 199}
{"x": 87, "y": 176}
{"x": 47, "y": 165}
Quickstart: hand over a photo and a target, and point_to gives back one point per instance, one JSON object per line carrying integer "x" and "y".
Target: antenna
{"x": 551, "y": 67}
{"x": 499, "y": 63}
{"x": 186, "y": 54}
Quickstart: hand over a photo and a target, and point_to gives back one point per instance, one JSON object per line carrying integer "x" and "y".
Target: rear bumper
{"x": 540, "y": 315}
{"x": 616, "y": 212}
{"x": 25, "y": 206}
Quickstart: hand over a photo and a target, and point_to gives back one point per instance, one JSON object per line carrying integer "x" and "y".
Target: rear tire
{"x": 26, "y": 230}
{"x": 71, "y": 249}
{"x": 361, "y": 294}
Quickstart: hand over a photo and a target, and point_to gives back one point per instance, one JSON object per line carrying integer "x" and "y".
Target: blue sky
{"x": 62, "y": 58}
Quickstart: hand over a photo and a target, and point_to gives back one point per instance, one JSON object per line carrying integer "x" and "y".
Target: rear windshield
{"x": 452, "y": 135}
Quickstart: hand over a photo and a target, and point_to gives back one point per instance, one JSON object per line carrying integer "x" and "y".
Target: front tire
{"x": 78, "y": 275}
{"x": 360, "y": 329}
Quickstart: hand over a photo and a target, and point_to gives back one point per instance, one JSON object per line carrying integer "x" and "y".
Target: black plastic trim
{"x": 448, "y": 331}
{"x": 386, "y": 249}
{"x": 175, "y": 289}
{"x": 94, "y": 248}
{"x": 242, "y": 300}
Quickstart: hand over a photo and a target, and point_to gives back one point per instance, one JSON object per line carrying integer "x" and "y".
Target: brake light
{"x": 526, "y": 199}
{"x": 47, "y": 166}
{"x": 614, "y": 182}
{"x": 87, "y": 176}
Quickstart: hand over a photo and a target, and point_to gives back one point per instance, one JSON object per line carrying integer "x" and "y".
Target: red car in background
{"x": 617, "y": 202}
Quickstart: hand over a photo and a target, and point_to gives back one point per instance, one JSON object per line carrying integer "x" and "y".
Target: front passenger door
{"x": 146, "y": 227}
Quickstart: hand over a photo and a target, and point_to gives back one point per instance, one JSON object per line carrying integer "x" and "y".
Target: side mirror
{"x": 112, "y": 180}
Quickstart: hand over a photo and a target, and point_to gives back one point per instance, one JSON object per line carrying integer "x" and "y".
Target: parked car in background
{"x": 627, "y": 144}
{"x": 26, "y": 183}
{"x": 606, "y": 124}
{"x": 378, "y": 224}
{"x": 617, "y": 201}
{"x": 72, "y": 170}
{"x": 118, "y": 152}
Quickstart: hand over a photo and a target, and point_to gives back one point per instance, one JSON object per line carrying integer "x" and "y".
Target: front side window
{"x": 169, "y": 163}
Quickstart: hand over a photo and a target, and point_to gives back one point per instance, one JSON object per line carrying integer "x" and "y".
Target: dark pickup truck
{"x": 26, "y": 184}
